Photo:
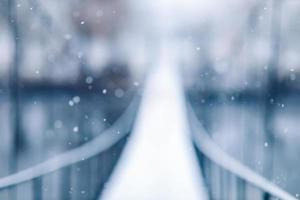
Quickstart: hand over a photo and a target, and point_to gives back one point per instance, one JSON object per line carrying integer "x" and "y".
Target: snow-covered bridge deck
{"x": 159, "y": 161}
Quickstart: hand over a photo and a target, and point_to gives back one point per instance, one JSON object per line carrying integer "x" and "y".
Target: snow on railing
{"x": 101, "y": 143}
{"x": 211, "y": 154}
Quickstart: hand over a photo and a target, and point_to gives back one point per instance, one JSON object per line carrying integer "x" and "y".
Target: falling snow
{"x": 75, "y": 129}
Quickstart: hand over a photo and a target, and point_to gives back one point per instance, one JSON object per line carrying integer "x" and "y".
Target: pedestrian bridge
{"x": 169, "y": 155}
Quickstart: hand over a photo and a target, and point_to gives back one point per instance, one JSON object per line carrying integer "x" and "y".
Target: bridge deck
{"x": 158, "y": 161}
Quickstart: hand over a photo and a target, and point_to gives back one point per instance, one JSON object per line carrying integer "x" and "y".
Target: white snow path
{"x": 158, "y": 162}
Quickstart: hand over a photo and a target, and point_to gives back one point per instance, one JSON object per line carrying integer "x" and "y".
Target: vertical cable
{"x": 14, "y": 90}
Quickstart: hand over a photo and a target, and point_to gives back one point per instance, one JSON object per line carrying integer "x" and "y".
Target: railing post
{"x": 241, "y": 190}
{"x": 37, "y": 192}
{"x": 65, "y": 183}
{"x": 266, "y": 196}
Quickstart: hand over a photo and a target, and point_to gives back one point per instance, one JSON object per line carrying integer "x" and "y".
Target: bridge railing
{"x": 224, "y": 176}
{"x": 90, "y": 156}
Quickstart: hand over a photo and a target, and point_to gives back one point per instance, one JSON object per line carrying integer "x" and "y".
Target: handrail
{"x": 212, "y": 151}
{"x": 101, "y": 143}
